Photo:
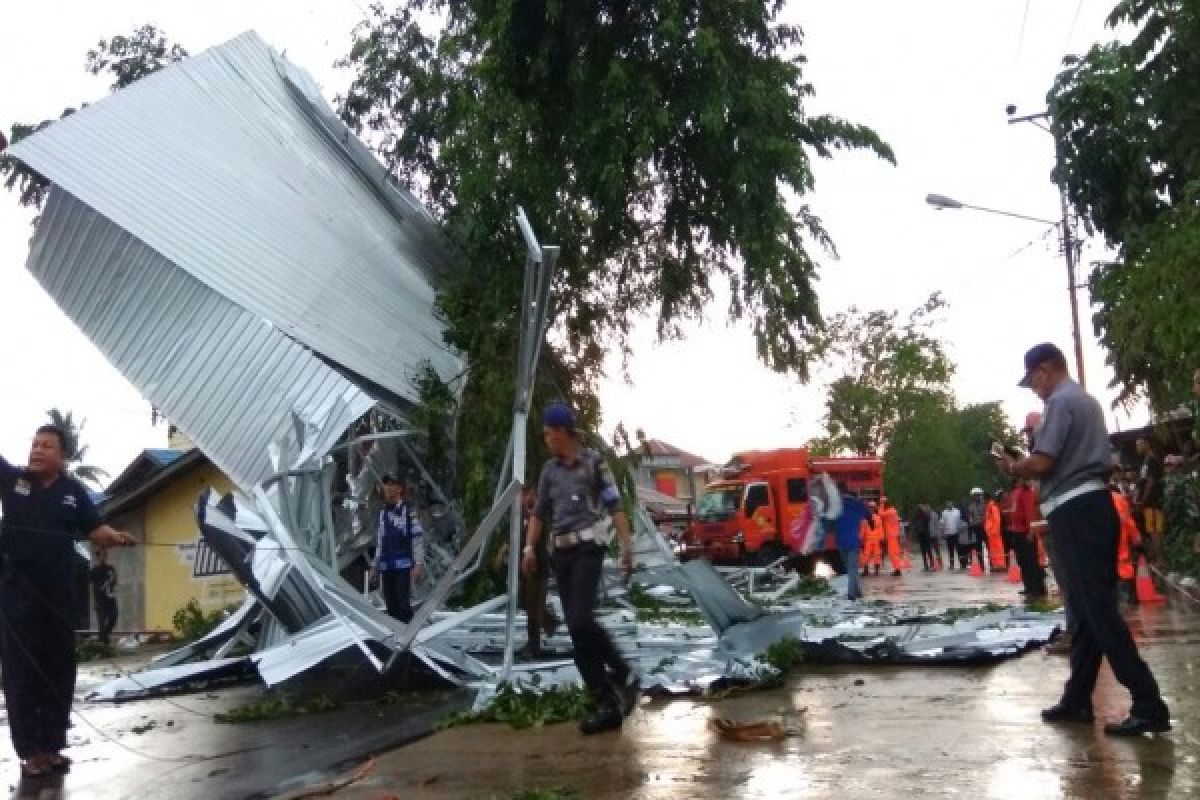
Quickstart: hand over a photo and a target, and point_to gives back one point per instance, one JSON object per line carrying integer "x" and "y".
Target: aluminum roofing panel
{"x": 226, "y": 377}
{"x": 227, "y": 165}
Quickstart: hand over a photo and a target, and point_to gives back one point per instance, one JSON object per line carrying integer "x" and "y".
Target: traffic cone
{"x": 1014, "y": 571}
{"x": 1147, "y": 593}
{"x": 975, "y": 571}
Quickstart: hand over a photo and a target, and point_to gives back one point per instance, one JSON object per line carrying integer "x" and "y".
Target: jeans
{"x": 577, "y": 570}
{"x": 1085, "y": 531}
{"x": 850, "y": 559}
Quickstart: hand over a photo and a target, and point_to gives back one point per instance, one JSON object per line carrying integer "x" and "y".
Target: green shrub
{"x": 192, "y": 622}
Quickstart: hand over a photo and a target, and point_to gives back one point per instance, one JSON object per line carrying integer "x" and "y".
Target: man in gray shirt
{"x": 573, "y": 487}
{"x": 1071, "y": 458}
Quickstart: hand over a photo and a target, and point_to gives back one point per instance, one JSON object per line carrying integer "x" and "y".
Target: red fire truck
{"x": 746, "y": 516}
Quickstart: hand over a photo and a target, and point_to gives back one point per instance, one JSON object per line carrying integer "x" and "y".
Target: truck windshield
{"x": 720, "y": 504}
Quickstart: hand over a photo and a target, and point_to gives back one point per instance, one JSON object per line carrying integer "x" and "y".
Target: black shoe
{"x": 1065, "y": 713}
{"x": 531, "y": 653}
{"x": 1136, "y": 726}
{"x": 896, "y": 573}
{"x": 866, "y": 571}
{"x": 877, "y": 570}
{"x": 607, "y": 718}
{"x": 628, "y": 691}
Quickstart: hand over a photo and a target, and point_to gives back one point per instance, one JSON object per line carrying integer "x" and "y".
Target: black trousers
{"x": 577, "y": 571}
{"x": 397, "y": 593}
{"x": 1032, "y": 574}
{"x": 531, "y": 590}
{"x": 928, "y": 548}
{"x": 1085, "y": 531}
{"x": 106, "y": 615}
{"x": 37, "y": 655}
{"x": 978, "y": 536}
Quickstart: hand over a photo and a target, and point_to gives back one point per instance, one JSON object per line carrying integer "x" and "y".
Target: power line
{"x": 1021, "y": 34}
{"x": 1074, "y": 22}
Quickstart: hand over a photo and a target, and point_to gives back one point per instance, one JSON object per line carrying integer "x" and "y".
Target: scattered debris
{"x": 331, "y": 788}
{"x": 769, "y": 731}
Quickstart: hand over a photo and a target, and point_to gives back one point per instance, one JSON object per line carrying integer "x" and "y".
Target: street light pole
{"x": 1069, "y": 244}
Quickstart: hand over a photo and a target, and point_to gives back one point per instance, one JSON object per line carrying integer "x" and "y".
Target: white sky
{"x": 932, "y": 77}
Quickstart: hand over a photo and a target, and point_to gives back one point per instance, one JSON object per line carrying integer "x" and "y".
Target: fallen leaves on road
{"x": 765, "y": 731}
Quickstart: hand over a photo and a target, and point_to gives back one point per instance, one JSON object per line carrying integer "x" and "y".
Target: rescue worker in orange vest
{"x": 1129, "y": 540}
{"x": 993, "y": 528}
{"x": 872, "y": 538}
{"x": 890, "y": 520}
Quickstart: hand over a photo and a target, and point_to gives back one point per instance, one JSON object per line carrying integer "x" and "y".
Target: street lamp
{"x": 941, "y": 201}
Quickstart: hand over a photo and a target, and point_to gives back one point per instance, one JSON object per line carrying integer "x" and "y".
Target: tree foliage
{"x": 662, "y": 144}
{"x": 1124, "y": 117}
{"x": 889, "y": 367}
{"x": 940, "y": 453}
{"x": 75, "y": 450}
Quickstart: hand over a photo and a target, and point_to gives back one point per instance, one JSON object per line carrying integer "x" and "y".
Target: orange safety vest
{"x": 1128, "y": 538}
{"x": 891, "y": 521}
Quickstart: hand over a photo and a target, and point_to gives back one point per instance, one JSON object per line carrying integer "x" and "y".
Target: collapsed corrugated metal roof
{"x": 237, "y": 253}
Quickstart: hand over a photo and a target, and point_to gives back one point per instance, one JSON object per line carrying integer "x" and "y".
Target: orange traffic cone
{"x": 1147, "y": 593}
{"x": 975, "y": 571}
{"x": 1014, "y": 571}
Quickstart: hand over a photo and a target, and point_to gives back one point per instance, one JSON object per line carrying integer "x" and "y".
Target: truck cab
{"x": 746, "y": 517}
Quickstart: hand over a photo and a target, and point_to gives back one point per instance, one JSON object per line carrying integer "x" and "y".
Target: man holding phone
{"x": 1071, "y": 458}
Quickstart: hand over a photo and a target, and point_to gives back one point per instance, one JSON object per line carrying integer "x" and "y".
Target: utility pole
{"x": 1070, "y": 245}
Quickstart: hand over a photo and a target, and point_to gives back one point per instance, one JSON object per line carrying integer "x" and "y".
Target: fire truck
{"x": 746, "y": 516}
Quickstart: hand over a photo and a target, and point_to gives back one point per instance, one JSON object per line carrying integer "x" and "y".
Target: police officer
{"x": 45, "y": 512}
{"x": 573, "y": 486}
{"x": 399, "y": 549}
{"x": 1071, "y": 457}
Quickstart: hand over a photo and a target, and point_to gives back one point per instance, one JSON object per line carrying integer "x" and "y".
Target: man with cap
{"x": 1071, "y": 458}
{"x": 574, "y": 485}
{"x": 399, "y": 549}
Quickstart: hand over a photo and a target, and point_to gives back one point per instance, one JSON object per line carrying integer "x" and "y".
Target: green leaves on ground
{"x": 528, "y": 707}
{"x": 655, "y": 610}
{"x": 1124, "y": 119}
{"x": 93, "y": 650}
{"x": 784, "y": 655}
{"x": 276, "y": 706}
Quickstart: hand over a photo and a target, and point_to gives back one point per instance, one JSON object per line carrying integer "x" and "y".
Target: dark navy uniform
{"x": 399, "y": 547}
{"x": 37, "y": 603}
{"x": 569, "y": 501}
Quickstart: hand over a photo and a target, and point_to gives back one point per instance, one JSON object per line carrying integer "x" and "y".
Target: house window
{"x": 797, "y": 489}
{"x": 208, "y": 563}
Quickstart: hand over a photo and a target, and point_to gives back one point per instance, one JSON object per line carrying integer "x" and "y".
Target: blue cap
{"x": 559, "y": 415}
{"x": 1036, "y": 356}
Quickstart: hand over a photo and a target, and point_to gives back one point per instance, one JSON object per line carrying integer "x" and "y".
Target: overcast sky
{"x": 933, "y": 78}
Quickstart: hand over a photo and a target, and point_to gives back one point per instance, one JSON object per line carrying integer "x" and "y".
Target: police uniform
{"x": 399, "y": 546}
{"x": 37, "y": 603}
{"x": 569, "y": 498}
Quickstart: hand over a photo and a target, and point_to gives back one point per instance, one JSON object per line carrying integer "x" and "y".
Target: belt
{"x": 1050, "y": 504}
{"x": 572, "y": 538}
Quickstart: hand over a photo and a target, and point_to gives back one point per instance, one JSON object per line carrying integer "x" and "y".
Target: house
{"x": 154, "y": 499}
{"x": 672, "y": 471}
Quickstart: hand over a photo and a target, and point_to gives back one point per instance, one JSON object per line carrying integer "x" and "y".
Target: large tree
{"x": 1125, "y": 119}
{"x": 886, "y": 367}
{"x": 663, "y": 144}
{"x": 940, "y": 453}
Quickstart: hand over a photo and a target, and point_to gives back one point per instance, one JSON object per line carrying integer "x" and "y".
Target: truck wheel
{"x": 769, "y": 553}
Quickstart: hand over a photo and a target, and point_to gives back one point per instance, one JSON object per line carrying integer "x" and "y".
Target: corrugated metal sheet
{"x": 231, "y": 167}
{"x": 224, "y": 375}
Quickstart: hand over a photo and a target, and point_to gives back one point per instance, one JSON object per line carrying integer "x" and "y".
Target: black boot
{"x": 605, "y": 718}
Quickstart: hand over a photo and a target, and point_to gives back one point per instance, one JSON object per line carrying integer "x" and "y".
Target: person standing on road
{"x": 948, "y": 525}
{"x": 976, "y": 510}
{"x": 848, "y": 532}
{"x": 1071, "y": 458}
{"x": 872, "y": 541}
{"x": 399, "y": 550}
{"x": 1150, "y": 498}
{"x": 103, "y": 578}
{"x": 46, "y": 511}
{"x": 889, "y": 518}
{"x": 919, "y": 524}
{"x": 573, "y": 487}
{"x": 1020, "y": 517}
{"x": 993, "y": 529}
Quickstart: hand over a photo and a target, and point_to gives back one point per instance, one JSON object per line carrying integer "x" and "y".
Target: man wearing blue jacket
{"x": 399, "y": 550}
{"x": 849, "y": 541}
